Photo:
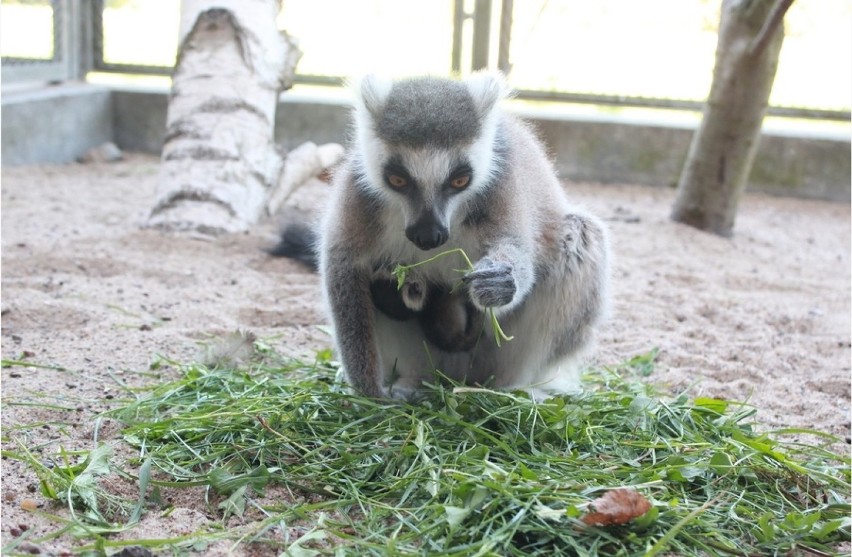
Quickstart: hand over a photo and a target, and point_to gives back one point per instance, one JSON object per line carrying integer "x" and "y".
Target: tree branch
{"x": 769, "y": 26}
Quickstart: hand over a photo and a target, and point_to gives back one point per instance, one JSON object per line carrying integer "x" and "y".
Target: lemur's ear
{"x": 486, "y": 88}
{"x": 371, "y": 92}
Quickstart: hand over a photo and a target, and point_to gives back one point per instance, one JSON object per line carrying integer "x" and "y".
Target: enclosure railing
{"x": 58, "y": 50}
{"x": 545, "y": 44}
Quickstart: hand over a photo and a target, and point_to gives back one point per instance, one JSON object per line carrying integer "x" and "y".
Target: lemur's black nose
{"x": 427, "y": 233}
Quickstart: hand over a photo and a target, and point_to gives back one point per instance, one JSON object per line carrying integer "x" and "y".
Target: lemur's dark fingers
{"x": 488, "y": 269}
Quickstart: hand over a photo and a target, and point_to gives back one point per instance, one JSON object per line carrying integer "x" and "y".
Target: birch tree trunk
{"x": 219, "y": 161}
{"x": 722, "y": 150}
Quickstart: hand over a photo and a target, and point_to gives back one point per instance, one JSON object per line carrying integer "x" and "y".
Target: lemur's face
{"x": 427, "y": 145}
{"x": 430, "y": 183}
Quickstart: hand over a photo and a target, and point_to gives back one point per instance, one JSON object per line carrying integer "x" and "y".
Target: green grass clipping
{"x": 463, "y": 471}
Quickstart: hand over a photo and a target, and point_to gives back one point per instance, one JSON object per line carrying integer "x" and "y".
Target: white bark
{"x": 219, "y": 161}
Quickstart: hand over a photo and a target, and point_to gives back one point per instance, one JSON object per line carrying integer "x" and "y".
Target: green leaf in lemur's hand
{"x": 400, "y": 272}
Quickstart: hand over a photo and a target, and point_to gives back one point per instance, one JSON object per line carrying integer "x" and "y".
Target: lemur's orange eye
{"x": 460, "y": 182}
{"x": 397, "y": 181}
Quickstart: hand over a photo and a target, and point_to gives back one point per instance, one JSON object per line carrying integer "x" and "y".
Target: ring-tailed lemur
{"x": 436, "y": 164}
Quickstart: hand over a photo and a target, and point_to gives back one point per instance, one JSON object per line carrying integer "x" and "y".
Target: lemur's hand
{"x": 491, "y": 283}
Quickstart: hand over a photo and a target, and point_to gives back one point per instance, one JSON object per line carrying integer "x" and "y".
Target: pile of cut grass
{"x": 469, "y": 471}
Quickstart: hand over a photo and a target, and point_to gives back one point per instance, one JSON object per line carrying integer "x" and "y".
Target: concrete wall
{"x": 811, "y": 167}
{"x": 51, "y": 126}
{"x": 608, "y": 151}
{"x": 139, "y": 120}
{"x": 54, "y": 124}
{"x": 301, "y": 119}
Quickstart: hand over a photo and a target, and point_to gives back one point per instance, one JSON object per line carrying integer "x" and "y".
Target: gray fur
{"x": 428, "y": 112}
{"x": 539, "y": 263}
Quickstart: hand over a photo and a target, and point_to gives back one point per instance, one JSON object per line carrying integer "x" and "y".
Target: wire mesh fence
{"x": 661, "y": 53}
{"x": 43, "y": 40}
{"x": 657, "y": 53}
{"x": 135, "y": 37}
{"x": 30, "y": 32}
{"x": 32, "y": 40}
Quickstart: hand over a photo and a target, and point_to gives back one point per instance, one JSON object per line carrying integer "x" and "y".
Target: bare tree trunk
{"x": 219, "y": 161}
{"x": 722, "y": 150}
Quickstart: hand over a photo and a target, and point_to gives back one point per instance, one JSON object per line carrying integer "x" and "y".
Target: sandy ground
{"x": 764, "y": 316}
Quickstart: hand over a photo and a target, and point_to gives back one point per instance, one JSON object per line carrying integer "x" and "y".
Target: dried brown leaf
{"x": 618, "y": 506}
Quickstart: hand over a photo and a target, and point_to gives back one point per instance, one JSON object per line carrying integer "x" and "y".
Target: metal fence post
{"x": 481, "y": 54}
{"x": 481, "y": 35}
{"x": 458, "y": 26}
{"x": 76, "y": 31}
{"x": 504, "y": 64}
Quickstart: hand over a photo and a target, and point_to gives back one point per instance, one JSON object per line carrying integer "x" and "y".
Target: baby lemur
{"x": 435, "y": 164}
